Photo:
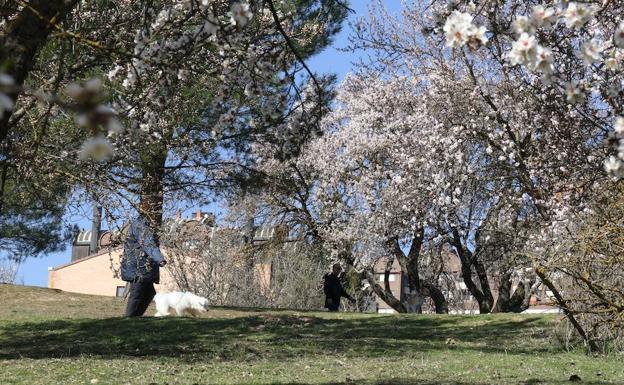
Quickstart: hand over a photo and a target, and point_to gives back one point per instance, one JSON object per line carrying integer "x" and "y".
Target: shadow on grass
{"x": 409, "y": 381}
{"x": 412, "y": 381}
{"x": 268, "y": 336}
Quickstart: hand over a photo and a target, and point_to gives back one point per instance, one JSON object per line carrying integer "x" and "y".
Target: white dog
{"x": 184, "y": 303}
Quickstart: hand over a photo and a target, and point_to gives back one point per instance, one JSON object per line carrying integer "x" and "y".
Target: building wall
{"x": 93, "y": 275}
{"x": 395, "y": 286}
{"x": 79, "y": 251}
{"x": 262, "y": 275}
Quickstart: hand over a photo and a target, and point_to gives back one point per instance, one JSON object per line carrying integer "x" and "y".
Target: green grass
{"x": 64, "y": 338}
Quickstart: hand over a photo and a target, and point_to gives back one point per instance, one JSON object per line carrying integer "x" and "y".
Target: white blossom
{"x": 544, "y": 60}
{"x": 113, "y": 73}
{"x": 459, "y": 30}
{"x": 522, "y": 25}
{"x": 524, "y": 50}
{"x": 619, "y": 125}
{"x": 114, "y": 125}
{"x": 88, "y": 93}
{"x": 6, "y": 103}
{"x": 240, "y": 14}
{"x": 478, "y": 36}
{"x": 612, "y": 165}
{"x": 612, "y": 64}
{"x": 98, "y": 148}
{"x": 456, "y": 29}
{"x": 590, "y": 52}
{"x": 573, "y": 93}
{"x": 618, "y": 36}
{"x": 211, "y": 27}
{"x": 577, "y": 15}
{"x": 545, "y": 17}
{"x": 6, "y": 80}
{"x": 93, "y": 85}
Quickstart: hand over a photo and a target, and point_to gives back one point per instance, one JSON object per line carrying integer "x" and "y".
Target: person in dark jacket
{"x": 333, "y": 288}
{"x": 140, "y": 265}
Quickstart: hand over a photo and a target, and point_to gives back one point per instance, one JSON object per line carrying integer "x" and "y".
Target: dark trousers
{"x": 141, "y": 294}
{"x": 332, "y": 304}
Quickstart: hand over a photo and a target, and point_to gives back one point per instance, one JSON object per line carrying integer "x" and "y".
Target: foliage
{"x": 8, "y": 271}
{"x": 189, "y": 87}
{"x": 585, "y": 258}
{"x": 31, "y": 211}
{"x": 217, "y": 263}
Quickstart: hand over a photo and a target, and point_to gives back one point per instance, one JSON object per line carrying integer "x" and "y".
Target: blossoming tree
{"x": 187, "y": 87}
{"x": 537, "y": 85}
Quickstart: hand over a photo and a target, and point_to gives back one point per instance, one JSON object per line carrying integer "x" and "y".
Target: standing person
{"x": 140, "y": 265}
{"x": 333, "y": 288}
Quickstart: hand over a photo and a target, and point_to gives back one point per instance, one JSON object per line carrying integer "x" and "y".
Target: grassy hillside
{"x": 50, "y": 337}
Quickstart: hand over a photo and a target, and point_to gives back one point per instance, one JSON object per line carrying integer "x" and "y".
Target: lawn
{"x": 51, "y": 337}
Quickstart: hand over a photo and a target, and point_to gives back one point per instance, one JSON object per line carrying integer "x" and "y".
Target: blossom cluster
{"x": 165, "y": 57}
{"x": 381, "y": 166}
{"x": 460, "y": 30}
{"x": 545, "y": 35}
{"x": 614, "y": 164}
{"x": 527, "y": 51}
{"x": 95, "y": 116}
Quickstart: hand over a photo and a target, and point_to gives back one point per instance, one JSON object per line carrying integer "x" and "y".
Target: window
{"x": 120, "y": 291}
{"x": 391, "y": 278}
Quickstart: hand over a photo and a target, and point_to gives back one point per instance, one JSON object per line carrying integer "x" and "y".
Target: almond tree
{"x": 378, "y": 148}
{"x": 538, "y": 84}
{"x": 568, "y": 56}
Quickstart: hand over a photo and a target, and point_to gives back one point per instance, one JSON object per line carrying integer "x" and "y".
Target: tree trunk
{"x": 410, "y": 265}
{"x": 23, "y": 37}
{"x": 432, "y": 291}
{"x": 482, "y": 295}
{"x": 488, "y": 297}
{"x": 385, "y": 294}
{"x": 412, "y": 300}
{"x": 152, "y": 189}
{"x": 413, "y": 259}
{"x": 519, "y": 301}
{"x": 504, "y": 293}
{"x": 516, "y": 302}
{"x": 541, "y": 273}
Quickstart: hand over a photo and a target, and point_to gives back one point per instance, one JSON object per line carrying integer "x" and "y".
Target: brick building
{"x": 94, "y": 265}
{"x": 451, "y": 283}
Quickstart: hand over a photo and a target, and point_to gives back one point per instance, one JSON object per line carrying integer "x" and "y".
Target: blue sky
{"x": 331, "y": 60}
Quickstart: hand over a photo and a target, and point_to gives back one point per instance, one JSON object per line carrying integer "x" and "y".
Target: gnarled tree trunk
{"x": 483, "y": 294}
{"x": 384, "y": 293}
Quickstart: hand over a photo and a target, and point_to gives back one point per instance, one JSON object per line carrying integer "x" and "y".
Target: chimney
{"x": 249, "y": 229}
{"x": 198, "y": 215}
{"x": 210, "y": 219}
{"x": 178, "y": 215}
{"x": 95, "y": 229}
